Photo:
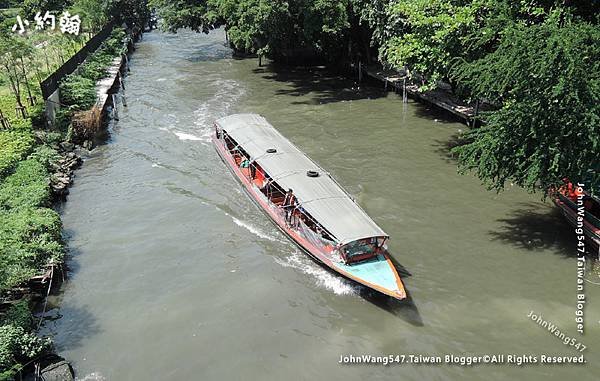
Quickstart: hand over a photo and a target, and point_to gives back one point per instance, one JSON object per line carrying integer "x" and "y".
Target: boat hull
{"x": 591, "y": 231}
{"x": 394, "y": 288}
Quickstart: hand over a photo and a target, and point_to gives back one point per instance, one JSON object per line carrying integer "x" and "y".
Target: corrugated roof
{"x": 320, "y": 196}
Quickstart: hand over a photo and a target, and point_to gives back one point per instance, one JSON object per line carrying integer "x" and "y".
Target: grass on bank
{"x": 30, "y": 238}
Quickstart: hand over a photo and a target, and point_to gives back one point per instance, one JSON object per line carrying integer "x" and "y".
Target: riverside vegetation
{"x": 34, "y": 162}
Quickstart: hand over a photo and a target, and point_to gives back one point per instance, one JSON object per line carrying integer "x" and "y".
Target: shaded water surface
{"x": 175, "y": 274}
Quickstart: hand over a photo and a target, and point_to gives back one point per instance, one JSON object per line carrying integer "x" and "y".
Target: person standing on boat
{"x": 289, "y": 204}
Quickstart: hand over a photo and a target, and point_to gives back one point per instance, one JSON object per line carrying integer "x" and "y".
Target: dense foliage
{"x": 272, "y": 28}
{"x": 547, "y": 79}
{"x": 534, "y": 61}
{"x": 26, "y": 188}
{"x": 14, "y": 145}
{"x": 17, "y": 343}
{"x": 78, "y": 92}
{"x": 30, "y": 237}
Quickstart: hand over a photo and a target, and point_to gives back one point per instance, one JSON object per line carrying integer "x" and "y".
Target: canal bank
{"x": 38, "y": 183}
{"x": 174, "y": 268}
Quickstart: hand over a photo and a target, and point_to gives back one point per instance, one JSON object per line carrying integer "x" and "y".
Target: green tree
{"x": 265, "y": 27}
{"x": 132, "y": 12}
{"x": 31, "y": 7}
{"x": 546, "y": 78}
{"x": 12, "y": 51}
{"x": 94, "y": 14}
{"x": 177, "y": 14}
{"x": 427, "y": 35}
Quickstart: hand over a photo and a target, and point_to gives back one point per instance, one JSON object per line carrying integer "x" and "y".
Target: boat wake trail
{"x": 227, "y": 95}
{"x": 324, "y": 278}
{"x": 254, "y": 230}
{"x": 185, "y": 136}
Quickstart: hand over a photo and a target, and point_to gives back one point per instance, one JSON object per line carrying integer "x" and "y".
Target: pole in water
{"x": 359, "y": 71}
{"x": 114, "y": 105}
{"x": 122, "y": 91}
{"x": 404, "y": 99}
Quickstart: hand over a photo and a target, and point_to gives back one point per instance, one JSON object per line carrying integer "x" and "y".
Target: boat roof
{"x": 322, "y": 197}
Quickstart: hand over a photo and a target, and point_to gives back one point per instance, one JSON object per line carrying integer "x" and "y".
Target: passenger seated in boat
{"x": 289, "y": 204}
{"x": 237, "y": 157}
{"x": 569, "y": 190}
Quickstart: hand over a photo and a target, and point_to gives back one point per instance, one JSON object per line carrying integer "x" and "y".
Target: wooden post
{"x": 4, "y": 121}
{"x": 359, "y": 72}
{"x": 114, "y": 104}
{"x": 260, "y": 60}
{"x": 385, "y": 84}
{"x": 30, "y": 97}
{"x": 404, "y": 97}
{"x": 476, "y": 113}
{"x": 22, "y": 111}
{"x": 123, "y": 100}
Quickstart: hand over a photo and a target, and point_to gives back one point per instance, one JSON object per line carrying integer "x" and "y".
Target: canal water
{"x": 175, "y": 273}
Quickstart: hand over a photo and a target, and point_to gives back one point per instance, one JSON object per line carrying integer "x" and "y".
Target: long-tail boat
{"x": 306, "y": 203}
{"x": 574, "y": 205}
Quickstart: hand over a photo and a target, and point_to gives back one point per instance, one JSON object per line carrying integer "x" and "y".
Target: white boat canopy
{"x": 322, "y": 197}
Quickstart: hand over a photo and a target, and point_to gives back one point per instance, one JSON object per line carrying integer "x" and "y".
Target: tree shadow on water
{"x": 68, "y": 325}
{"x": 320, "y": 85}
{"x": 428, "y": 111}
{"x": 535, "y": 227}
{"x": 444, "y": 147}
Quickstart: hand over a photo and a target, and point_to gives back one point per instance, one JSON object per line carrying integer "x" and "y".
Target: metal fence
{"x": 50, "y": 84}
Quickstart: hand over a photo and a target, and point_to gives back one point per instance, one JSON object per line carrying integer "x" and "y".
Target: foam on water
{"x": 186, "y": 136}
{"x": 95, "y": 376}
{"x": 254, "y": 230}
{"x": 335, "y": 283}
{"x": 218, "y": 106}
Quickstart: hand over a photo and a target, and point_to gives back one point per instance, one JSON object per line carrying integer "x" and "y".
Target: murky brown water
{"x": 177, "y": 275}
